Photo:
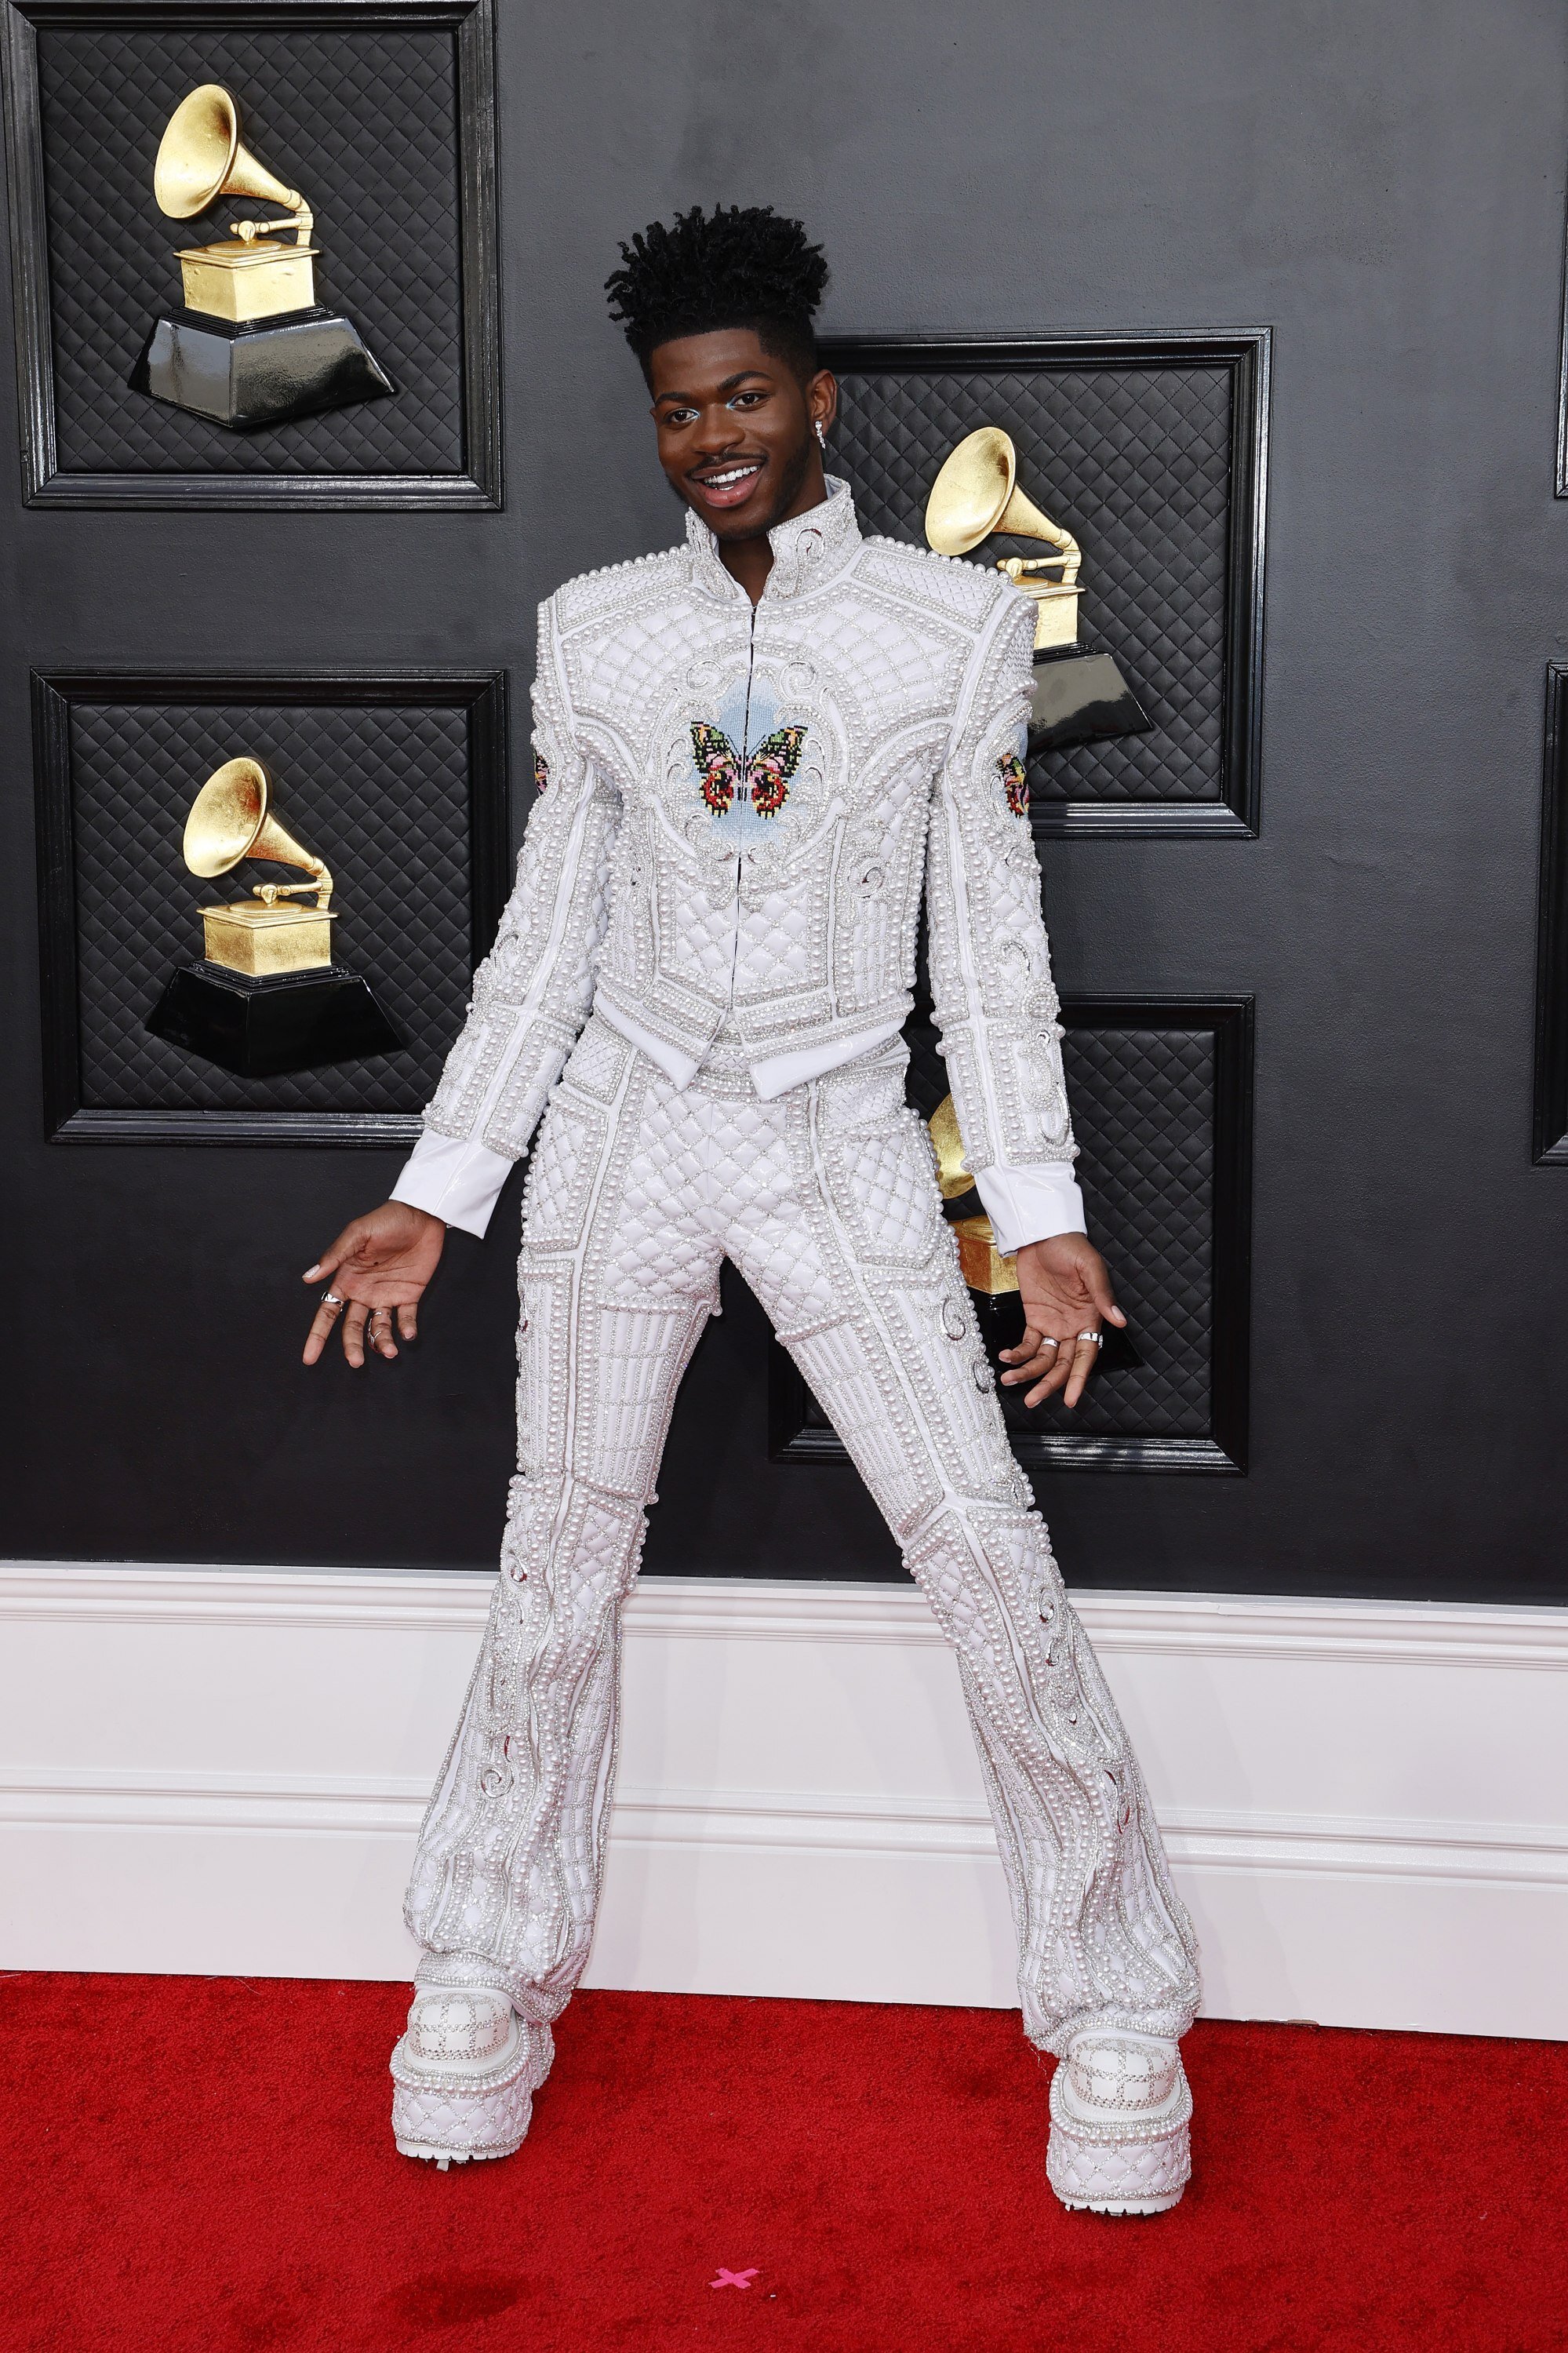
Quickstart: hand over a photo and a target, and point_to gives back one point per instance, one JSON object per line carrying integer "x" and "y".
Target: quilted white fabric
{"x": 1120, "y": 2123}
{"x": 464, "y": 2075}
{"x": 740, "y": 809}
{"x": 826, "y": 1200}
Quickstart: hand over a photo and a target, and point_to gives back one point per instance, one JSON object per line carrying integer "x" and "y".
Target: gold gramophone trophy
{"x": 983, "y": 1268}
{"x": 251, "y": 346}
{"x": 268, "y": 999}
{"x": 1079, "y": 695}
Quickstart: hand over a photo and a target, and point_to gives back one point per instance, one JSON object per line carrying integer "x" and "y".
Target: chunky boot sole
{"x": 1105, "y": 2164}
{"x": 450, "y": 2113}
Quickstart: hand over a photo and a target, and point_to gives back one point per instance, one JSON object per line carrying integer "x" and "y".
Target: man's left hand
{"x": 1067, "y": 1295}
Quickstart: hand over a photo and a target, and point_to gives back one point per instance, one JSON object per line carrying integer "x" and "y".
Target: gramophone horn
{"x": 231, "y": 819}
{"x": 200, "y": 159}
{"x": 976, "y": 493}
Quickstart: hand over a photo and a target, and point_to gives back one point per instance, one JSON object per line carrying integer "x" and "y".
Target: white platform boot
{"x": 465, "y": 2071}
{"x": 1119, "y": 2115}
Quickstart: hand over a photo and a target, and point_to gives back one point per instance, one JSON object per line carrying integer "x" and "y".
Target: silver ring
{"x": 1047, "y": 1341}
{"x": 331, "y": 1298}
{"x": 1098, "y": 1337}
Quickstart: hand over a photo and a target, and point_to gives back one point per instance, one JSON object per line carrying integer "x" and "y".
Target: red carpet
{"x": 204, "y": 2166}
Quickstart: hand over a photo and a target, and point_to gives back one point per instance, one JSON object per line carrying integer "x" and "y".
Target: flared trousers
{"x": 826, "y": 1199}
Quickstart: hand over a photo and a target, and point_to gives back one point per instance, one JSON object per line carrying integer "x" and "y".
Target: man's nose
{"x": 721, "y": 429}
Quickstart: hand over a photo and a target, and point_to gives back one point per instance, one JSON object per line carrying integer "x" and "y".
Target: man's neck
{"x": 750, "y": 561}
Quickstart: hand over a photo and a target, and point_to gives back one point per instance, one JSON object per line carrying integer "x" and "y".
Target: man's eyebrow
{"x": 691, "y": 399}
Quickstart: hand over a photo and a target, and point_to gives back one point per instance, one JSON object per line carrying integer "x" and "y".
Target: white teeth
{"x": 736, "y": 474}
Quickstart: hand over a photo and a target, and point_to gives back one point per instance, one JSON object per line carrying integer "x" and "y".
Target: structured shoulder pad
{"x": 592, "y": 594}
{"x": 968, "y": 592}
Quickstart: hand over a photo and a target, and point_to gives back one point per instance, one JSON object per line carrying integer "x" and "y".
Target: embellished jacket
{"x": 737, "y": 810}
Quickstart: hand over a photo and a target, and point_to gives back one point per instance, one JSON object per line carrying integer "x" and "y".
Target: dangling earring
{"x": 821, "y": 436}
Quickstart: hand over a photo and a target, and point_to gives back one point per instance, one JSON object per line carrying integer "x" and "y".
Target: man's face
{"x": 737, "y": 430}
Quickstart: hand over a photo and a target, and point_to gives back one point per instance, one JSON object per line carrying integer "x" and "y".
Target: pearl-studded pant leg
{"x": 842, "y": 1238}
{"x": 826, "y": 1201}
{"x": 618, "y": 1274}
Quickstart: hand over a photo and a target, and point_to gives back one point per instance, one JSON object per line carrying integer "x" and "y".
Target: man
{"x": 749, "y": 750}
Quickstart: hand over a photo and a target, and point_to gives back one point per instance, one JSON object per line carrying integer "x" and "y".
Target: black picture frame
{"x": 44, "y": 484}
{"x": 480, "y": 694}
{"x": 1549, "y": 1144}
{"x": 1245, "y": 353}
{"x": 1560, "y": 487}
{"x": 799, "y": 1434}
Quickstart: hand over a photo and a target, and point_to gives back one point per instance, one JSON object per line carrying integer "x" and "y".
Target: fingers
{"x": 1034, "y": 1357}
{"x": 320, "y": 1330}
{"x": 355, "y": 1317}
{"x": 365, "y": 1328}
{"x": 1052, "y": 1364}
{"x": 1039, "y": 1357}
{"x": 1085, "y": 1350}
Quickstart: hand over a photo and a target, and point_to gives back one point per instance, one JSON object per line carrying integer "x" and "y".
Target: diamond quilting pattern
{"x": 365, "y": 122}
{"x": 381, "y": 793}
{"x": 1136, "y": 460}
{"x": 889, "y": 1194}
{"x": 561, "y": 1173}
{"x": 1143, "y": 1109}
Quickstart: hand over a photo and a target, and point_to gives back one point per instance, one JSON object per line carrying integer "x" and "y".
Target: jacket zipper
{"x": 745, "y": 755}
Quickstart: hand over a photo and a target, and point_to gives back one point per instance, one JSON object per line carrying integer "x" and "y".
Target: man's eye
{"x": 678, "y": 416}
{"x": 747, "y": 399}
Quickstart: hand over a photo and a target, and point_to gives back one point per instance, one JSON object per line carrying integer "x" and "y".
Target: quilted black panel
{"x": 1143, "y": 1112}
{"x": 381, "y": 793}
{"x": 365, "y": 120}
{"x": 1134, "y": 459}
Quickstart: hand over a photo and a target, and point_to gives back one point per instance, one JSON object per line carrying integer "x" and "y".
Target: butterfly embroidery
{"x": 768, "y": 771}
{"x": 1014, "y": 784}
{"x": 541, "y": 772}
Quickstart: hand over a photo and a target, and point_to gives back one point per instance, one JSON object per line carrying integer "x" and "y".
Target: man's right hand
{"x": 377, "y": 1268}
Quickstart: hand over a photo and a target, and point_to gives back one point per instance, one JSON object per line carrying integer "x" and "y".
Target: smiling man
{"x": 752, "y": 751}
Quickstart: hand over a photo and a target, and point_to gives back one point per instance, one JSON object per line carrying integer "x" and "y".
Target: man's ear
{"x": 822, "y": 398}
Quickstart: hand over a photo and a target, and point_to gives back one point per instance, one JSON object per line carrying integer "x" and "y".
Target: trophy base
{"x": 269, "y": 1029}
{"x": 1079, "y": 696}
{"x": 243, "y": 373}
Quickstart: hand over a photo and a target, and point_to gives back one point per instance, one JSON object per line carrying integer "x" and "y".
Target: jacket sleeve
{"x": 535, "y": 988}
{"x": 990, "y": 961}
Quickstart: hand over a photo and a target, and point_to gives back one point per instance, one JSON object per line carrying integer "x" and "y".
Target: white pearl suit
{"x": 700, "y": 981}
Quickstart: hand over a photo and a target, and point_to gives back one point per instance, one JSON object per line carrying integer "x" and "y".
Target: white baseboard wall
{"x": 222, "y": 1771}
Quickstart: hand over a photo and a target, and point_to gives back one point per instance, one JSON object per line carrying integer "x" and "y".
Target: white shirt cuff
{"x": 456, "y": 1181}
{"x": 1030, "y": 1204}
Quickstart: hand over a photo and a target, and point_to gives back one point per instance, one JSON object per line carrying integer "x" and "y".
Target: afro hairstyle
{"x": 739, "y": 267}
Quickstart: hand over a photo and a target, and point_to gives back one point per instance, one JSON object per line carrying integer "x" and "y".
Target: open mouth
{"x": 731, "y": 485}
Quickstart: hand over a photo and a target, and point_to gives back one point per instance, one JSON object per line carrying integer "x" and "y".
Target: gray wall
{"x": 1383, "y": 184}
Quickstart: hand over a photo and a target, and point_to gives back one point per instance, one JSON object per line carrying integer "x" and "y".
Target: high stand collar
{"x": 807, "y": 548}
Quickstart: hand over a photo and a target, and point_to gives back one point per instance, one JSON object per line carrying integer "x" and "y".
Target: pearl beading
{"x": 826, "y": 1201}
{"x": 909, "y": 676}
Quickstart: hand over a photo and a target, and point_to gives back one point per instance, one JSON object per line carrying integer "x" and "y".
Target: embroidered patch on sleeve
{"x": 1014, "y": 784}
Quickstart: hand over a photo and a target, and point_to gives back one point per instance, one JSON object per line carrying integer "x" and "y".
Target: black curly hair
{"x": 739, "y": 267}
